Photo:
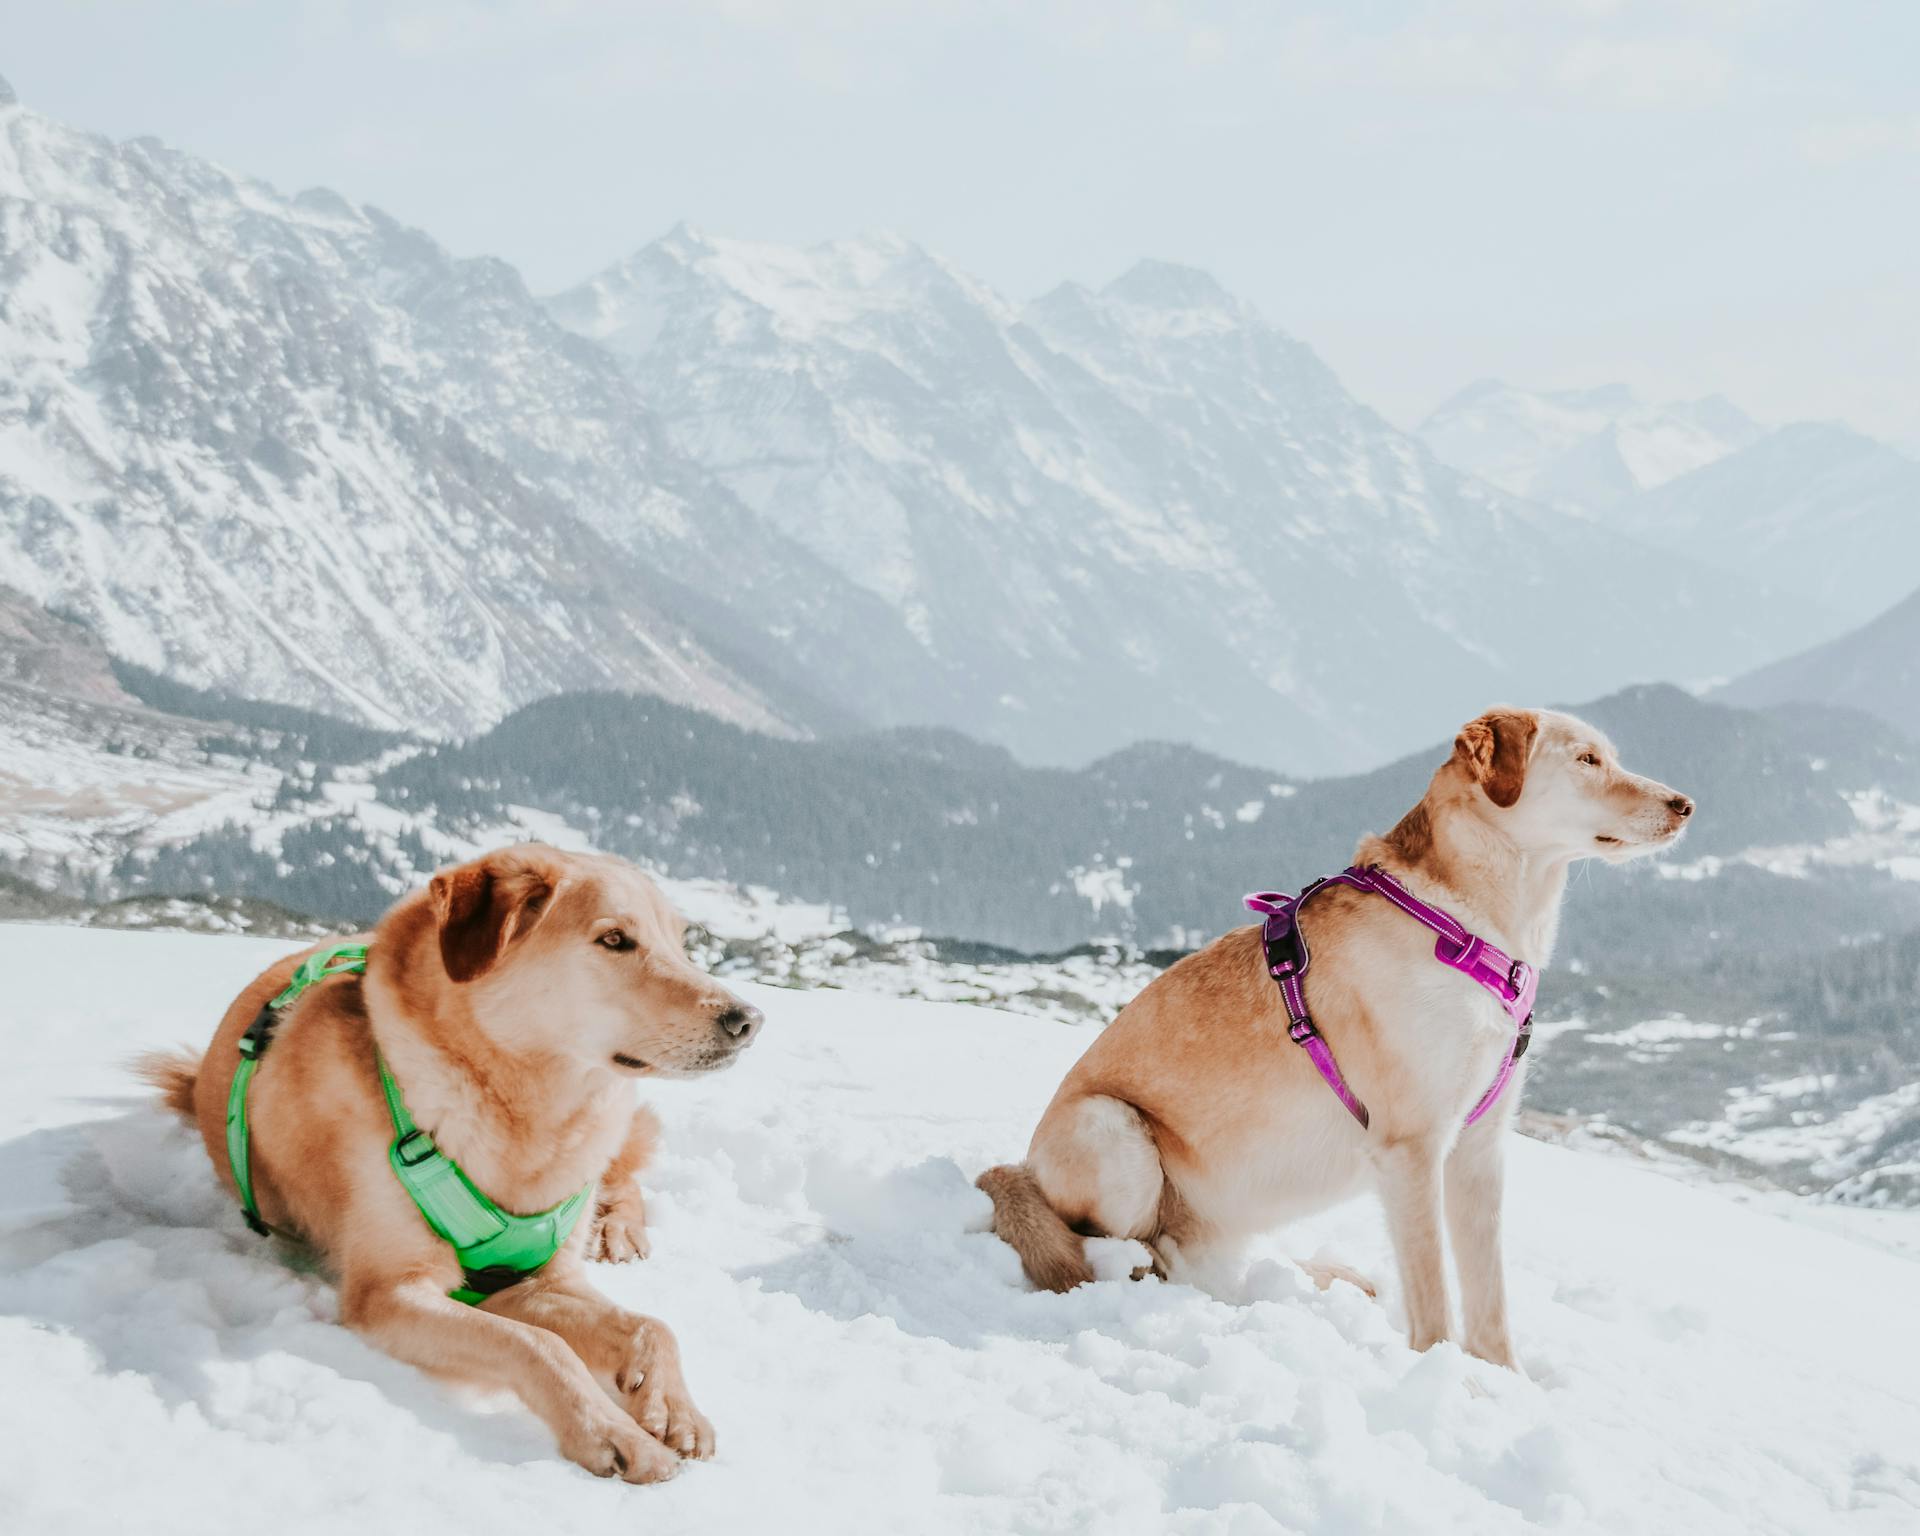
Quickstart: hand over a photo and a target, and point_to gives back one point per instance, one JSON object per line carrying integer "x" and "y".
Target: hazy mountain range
{"x": 1583, "y": 448}
{"x": 1875, "y": 668}
{"x": 290, "y": 448}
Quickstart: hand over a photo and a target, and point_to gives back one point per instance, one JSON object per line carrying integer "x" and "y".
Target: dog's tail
{"x": 1052, "y": 1253}
{"x": 174, "y": 1074}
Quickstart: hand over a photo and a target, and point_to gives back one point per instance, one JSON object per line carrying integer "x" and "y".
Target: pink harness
{"x": 1513, "y": 982}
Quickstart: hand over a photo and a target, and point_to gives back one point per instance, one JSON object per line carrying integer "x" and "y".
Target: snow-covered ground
{"x": 869, "y": 1353}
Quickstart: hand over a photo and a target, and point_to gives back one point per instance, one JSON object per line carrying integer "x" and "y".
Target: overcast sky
{"x": 1689, "y": 195}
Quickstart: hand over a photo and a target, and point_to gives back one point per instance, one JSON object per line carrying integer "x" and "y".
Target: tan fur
{"x": 500, "y": 1013}
{"x": 172, "y": 1074}
{"x": 620, "y": 1233}
{"x": 1194, "y": 1123}
{"x": 1053, "y": 1254}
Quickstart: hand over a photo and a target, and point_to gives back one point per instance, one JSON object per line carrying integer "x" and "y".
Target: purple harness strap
{"x": 1513, "y": 982}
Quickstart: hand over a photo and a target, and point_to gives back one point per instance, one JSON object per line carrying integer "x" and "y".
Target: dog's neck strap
{"x": 496, "y": 1247}
{"x": 1513, "y": 982}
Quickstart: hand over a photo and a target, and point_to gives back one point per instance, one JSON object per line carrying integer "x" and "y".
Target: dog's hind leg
{"x": 1093, "y": 1170}
{"x": 1097, "y": 1163}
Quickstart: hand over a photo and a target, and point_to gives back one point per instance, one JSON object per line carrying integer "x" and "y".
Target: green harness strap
{"x": 496, "y": 1248}
{"x": 336, "y": 960}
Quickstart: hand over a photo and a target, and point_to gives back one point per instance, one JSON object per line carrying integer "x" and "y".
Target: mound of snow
{"x": 868, "y": 1350}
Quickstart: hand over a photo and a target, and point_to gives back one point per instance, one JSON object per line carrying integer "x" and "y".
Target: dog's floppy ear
{"x": 1495, "y": 749}
{"x": 483, "y": 907}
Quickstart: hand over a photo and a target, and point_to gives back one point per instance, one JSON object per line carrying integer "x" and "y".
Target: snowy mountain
{"x": 869, "y": 1353}
{"x": 1814, "y": 510}
{"x": 1875, "y": 668}
{"x": 238, "y": 441}
{"x": 1143, "y": 511}
{"x": 290, "y": 449}
{"x": 1581, "y": 448}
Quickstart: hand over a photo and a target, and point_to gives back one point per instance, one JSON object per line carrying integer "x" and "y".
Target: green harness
{"x": 496, "y": 1248}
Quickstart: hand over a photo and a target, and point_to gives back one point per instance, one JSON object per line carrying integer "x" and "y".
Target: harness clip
{"x": 428, "y": 1148}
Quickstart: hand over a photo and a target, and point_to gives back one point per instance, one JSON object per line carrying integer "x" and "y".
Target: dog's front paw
{"x": 620, "y": 1231}
{"x": 608, "y": 1445}
{"x": 1495, "y": 1348}
{"x": 656, "y": 1394}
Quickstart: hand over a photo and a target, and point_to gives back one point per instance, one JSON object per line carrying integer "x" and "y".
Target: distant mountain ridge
{"x": 1875, "y": 668}
{"x": 1800, "y": 823}
{"x": 1821, "y": 514}
{"x": 1582, "y": 448}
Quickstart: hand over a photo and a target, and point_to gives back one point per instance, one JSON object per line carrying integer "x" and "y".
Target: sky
{"x": 1691, "y": 196}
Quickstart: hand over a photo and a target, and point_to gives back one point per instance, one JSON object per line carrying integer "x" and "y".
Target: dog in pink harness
{"x": 1512, "y": 982}
{"x": 1201, "y": 1117}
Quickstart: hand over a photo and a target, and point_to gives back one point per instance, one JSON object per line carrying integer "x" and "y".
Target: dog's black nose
{"x": 740, "y": 1023}
{"x": 1681, "y": 806}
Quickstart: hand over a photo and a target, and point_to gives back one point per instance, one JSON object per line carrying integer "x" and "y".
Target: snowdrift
{"x": 868, "y": 1351}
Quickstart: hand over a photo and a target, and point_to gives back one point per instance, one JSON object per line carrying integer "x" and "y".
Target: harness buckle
{"x": 1300, "y": 1031}
{"x": 1458, "y": 953}
{"x": 259, "y": 1034}
{"x": 410, "y": 1160}
{"x": 1286, "y": 950}
{"x": 493, "y": 1278}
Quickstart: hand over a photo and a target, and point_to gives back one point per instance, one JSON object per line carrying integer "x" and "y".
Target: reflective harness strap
{"x": 1513, "y": 982}
{"x": 496, "y": 1248}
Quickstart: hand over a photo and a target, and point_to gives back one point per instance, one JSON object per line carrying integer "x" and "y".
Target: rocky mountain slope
{"x": 1141, "y": 511}
{"x": 235, "y": 442}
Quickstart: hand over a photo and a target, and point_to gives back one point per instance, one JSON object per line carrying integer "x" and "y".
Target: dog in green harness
{"x": 444, "y": 1110}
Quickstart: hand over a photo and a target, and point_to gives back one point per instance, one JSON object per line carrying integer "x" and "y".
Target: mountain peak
{"x": 326, "y": 201}
{"x": 1169, "y": 285}
{"x": 8, "y": 96}
{"x": 687, "y": 235}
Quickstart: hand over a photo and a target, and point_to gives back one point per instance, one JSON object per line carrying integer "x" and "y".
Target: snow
{"x": 1828, "y": 1143}
{"x": 871, "y": 1358}
{"x": 1104, "y": 885}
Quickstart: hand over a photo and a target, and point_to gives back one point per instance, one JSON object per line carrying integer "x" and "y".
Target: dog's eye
{"x": 614, "y": 938}
{"x": 1590, "y": 759}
